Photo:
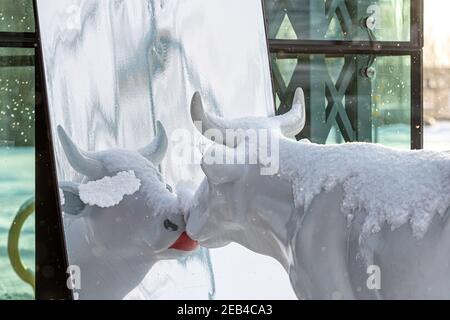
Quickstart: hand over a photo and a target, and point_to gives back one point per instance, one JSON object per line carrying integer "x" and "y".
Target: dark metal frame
{"x": 413, "y": 48}
{"x": 51, "y": 256}
{"x": 18, "y": 39}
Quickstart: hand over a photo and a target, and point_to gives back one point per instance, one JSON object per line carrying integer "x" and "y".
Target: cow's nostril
{"x": 169, "y": 225}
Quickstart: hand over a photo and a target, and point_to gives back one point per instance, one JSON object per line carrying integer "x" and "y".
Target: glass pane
{"x": 16, "y": 16}
{"x": 350, "y": 98}
{"x": 391, "y": 102}
{"x": 154, "y": 56}
{"x": 382, "y": 20}
{"x": 17, "y": 89}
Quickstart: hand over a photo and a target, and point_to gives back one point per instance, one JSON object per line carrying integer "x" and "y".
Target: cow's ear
{"x": 220, "y": 165}
{"x": 70, "y": 199}
{"x": 223, "y": 173}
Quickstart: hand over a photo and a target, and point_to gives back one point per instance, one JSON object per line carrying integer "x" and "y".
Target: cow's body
{"x": 320, "y": 250}
{"x": 327, "y": 261}
{"x": 329, "y": 251}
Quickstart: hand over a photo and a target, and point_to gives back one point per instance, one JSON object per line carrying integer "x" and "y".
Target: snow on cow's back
{"x": 391, "y": 186}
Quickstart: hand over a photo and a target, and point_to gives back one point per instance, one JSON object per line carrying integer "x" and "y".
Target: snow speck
{"x": 109, "y": 191}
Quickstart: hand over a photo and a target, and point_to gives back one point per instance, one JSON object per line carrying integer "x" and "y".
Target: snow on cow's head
{"x": 109, "y": 191}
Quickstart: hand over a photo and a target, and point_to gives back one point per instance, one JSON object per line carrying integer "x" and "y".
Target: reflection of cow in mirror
{"x": 116, "y": 238}
{"x": 329, "y": 252}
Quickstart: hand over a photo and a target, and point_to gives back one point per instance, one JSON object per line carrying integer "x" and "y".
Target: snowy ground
{"x": 437, "y": 137}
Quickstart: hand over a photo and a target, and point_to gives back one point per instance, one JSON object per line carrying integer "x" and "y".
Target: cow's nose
{"x": 169, "y": 225}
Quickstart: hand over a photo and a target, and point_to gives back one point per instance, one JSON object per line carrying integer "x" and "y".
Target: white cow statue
{"x": 352, "y": 221}
{"x": 121, "y": 219}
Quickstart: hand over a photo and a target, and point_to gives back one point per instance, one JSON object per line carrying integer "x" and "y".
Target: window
{"x": 17, "y": 140}
{"x": 359, "y": 62}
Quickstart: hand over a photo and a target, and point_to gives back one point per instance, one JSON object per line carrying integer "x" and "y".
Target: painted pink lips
{"x": 185, "y": 243}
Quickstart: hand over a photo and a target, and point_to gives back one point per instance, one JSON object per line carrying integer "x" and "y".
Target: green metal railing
{"x": 25, "y": 273}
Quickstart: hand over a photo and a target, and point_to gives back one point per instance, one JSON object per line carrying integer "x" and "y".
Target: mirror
{"x": 115, "y": 68}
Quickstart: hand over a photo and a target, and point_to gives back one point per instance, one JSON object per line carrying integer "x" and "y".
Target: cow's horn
{"x": 290, "y": 124}
{"x": 156, "y": 151}
{"x": 220, "y": 165}
{"x": 293, "y": 122}
{"x": 208, "y": 123}
{"x": 81, "y": 161}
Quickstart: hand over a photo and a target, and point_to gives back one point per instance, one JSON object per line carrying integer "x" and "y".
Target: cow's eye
{"x": 169, "y": 188}
{"x": 169, "y": 225}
